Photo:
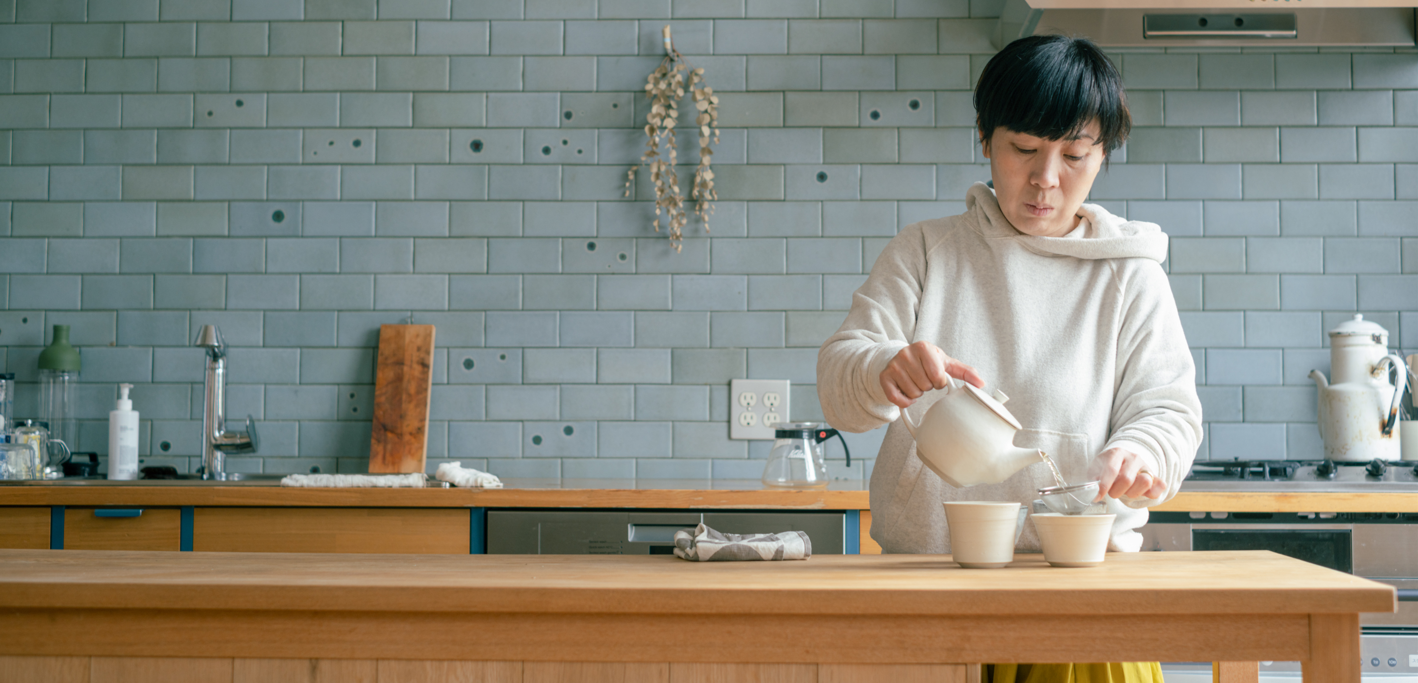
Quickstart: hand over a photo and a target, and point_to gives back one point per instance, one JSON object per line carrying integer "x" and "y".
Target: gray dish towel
{"x": 708, "y": 545}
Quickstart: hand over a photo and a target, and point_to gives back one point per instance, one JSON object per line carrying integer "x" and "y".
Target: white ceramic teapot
{"x": 967, "y": 437}
{"x": 1358, "y": 411}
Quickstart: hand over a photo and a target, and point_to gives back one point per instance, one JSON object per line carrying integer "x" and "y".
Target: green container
{"x": 60, "y": 354}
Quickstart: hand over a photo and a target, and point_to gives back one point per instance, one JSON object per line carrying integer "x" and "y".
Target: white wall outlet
{"x": 757, "y": 407}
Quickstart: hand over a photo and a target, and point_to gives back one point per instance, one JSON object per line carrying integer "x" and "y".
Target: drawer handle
{"x": 118, "y": 513}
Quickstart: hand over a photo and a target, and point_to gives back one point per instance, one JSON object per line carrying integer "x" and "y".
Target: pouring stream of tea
{"x": 1053, "y": 469}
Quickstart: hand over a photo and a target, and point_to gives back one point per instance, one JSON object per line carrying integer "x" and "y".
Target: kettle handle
{"x": 950, "y": 383}
{"x": 1399, "y": 370}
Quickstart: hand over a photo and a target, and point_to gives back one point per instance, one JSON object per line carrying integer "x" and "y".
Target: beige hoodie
{"x": 1080, "y": 331}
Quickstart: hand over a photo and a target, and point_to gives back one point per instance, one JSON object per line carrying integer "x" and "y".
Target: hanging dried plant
{"x": 665, "y": 86}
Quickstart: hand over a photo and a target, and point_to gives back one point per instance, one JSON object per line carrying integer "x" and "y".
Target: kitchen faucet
{"x": 216, "y": 441}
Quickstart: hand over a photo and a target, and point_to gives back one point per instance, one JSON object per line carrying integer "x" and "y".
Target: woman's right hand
{"x": 919, "y": 368}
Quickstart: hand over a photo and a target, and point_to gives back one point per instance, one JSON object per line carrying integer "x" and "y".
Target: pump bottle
{"x": 123, "y": 437}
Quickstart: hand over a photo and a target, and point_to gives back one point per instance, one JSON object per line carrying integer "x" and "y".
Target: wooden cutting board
{"x": 403, "y": 382}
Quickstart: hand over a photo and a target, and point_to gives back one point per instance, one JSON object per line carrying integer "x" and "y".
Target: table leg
{"x": 1235, "y": 672}
{"x": 1334, "y": 649}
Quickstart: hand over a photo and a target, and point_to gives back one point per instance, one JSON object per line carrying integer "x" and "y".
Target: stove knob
{"x": 1376, "y": 468}
{"x": 1327, "y": 469}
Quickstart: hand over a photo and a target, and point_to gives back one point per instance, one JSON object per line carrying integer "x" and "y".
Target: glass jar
{"x": 17, "y": 461}
{"x": 29, "y": 464}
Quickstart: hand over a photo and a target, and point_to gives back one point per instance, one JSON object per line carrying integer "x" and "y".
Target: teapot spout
{"x": 1319, "y": 379}
{"x": 1020, "y": 458}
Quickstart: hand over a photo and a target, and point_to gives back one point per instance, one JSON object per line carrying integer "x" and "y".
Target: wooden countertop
{"x": 607, "y": 493}
{"x": 873, "y": 613}
{"x": 1218, "y": 582}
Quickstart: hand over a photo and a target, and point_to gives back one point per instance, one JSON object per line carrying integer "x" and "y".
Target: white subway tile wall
{"x": 300, "y": 173}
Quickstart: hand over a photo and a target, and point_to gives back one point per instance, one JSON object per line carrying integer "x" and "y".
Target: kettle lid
{"x": 1358, "y": 327}
{"x": 993, "y": 403}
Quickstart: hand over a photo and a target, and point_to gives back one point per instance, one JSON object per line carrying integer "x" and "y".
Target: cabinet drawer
{"x": 26, "y": 528}
{"x": 153, "y": 529}
{"x": 331, "y": 530}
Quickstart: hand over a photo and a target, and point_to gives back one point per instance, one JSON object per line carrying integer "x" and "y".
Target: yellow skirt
{"x": 1114, "y": 672}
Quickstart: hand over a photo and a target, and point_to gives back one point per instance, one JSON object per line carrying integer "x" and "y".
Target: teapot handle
{"x": 950, "y": 383}
{"x": 906, "y": 419}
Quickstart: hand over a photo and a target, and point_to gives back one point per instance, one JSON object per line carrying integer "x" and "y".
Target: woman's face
{"x": 1041, "y": 183}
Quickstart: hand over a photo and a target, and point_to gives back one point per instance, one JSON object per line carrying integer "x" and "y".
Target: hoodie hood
{"x": 1100, "y": 236}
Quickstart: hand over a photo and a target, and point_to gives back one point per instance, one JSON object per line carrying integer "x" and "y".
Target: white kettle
{"x": 967, "y": 437}
{"x": 1358, "y": 408}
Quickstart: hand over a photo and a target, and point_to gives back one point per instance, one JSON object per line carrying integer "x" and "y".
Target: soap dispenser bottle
{"x": 123, "y": 437}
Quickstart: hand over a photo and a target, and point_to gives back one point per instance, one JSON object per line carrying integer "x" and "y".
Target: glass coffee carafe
{"x": 797, "y": 459}
{"x": 58, "y": 375}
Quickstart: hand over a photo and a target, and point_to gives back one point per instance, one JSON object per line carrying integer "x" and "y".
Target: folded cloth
{"x": 457, "y": 475}
{"x": 388, "y": 481}
{"x": 708, "y": 545}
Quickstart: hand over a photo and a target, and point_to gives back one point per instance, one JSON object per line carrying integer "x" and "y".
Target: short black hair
{"x": 1052, "y": 87}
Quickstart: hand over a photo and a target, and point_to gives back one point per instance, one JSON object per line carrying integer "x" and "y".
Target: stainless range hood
{"x": 1215, "y": 23}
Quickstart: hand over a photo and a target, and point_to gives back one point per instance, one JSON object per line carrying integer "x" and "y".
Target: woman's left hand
{"x": 1120, "y": 473}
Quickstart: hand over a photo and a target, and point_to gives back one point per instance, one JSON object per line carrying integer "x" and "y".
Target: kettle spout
{"x": 1319, "y": 379}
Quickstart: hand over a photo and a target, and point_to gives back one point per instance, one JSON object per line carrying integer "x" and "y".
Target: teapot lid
{"x": 1358, "y": 327}
{"x": 995, "y": 402}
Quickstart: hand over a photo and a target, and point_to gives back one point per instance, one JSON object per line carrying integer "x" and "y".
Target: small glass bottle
{"x": 58, "y": 373}
{"x": 7, "y": 403}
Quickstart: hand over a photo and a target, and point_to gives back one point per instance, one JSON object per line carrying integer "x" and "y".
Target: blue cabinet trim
{"x": 56, "y": 527}
{"x": 852, "y": 545}
{"x": 477, "y": 531}
{"x": 185, "y": 530}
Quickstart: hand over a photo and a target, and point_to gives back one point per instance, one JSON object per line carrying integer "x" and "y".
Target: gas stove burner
{"x": 1302, "y": 475}
{"x": 1248, "y": 470}
{"x": 1375, "y": 468}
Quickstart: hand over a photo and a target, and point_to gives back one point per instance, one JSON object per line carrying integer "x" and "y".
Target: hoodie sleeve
{"x": 881, "y": 323}
{"x": 1156, "y": 412}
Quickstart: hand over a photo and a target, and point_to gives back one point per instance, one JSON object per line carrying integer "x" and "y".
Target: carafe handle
{"x": 1399, "y": 371}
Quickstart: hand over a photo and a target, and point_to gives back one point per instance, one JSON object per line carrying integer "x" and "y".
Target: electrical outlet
{"x": 757, "y": 407}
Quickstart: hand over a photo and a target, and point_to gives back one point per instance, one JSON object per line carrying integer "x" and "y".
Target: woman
{"x": 1061, "y": 305}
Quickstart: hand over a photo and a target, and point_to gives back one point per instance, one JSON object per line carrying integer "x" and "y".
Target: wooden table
{"x": 235, "y": 617}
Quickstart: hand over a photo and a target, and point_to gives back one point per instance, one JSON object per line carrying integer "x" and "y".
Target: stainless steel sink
{"x": 254, "y": 477}
{"x": 233, "y": 479}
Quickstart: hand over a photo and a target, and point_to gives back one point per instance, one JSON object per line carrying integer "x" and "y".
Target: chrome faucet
{"x": 216, "y": 441}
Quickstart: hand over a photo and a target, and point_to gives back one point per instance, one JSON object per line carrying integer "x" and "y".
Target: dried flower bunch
{"x": 665, "y": 87}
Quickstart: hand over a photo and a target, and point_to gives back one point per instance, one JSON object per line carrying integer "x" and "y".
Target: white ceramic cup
{"x": 982, "y": 534}
{"x": 1073, "y": 540}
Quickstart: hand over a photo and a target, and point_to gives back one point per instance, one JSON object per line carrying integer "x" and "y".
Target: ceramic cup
{"x": 982, "y": 535}
{"x": 1073, "y": 540}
